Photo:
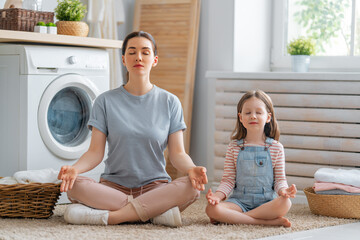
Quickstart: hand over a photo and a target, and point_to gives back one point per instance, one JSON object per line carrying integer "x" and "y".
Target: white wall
{"x": 215, "y": 51}
{"x": 252, "y": 35}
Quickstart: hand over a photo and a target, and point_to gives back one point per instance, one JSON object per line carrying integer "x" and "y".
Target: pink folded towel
{"x": 323, "y": 186}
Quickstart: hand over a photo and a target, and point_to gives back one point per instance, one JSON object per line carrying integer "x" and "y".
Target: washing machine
{"x": 46, "y": 95}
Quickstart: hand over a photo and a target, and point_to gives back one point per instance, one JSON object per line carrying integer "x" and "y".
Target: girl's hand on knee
{"x": 212, "y": 198}
{"x": 198, "y": 177}
{"x": 67, "y": 174}
{"x": 289, "y": 192}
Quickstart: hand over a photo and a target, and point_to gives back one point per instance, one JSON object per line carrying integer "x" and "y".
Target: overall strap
{"x": 241, "y": 143}
{"x": 268, "y": 143}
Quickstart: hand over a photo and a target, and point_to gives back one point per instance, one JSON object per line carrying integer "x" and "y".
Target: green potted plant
{"x": 70, "y": 13}
{"x": 300, "y": 50}
{"x": 40, "y": 27}
{"x": 51, "y": 28}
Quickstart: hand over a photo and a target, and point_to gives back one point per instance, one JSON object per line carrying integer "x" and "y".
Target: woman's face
{"x": 139, "y": 56}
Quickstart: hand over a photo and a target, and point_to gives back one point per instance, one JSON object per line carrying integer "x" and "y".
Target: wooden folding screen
{"x": 174, "y": 25}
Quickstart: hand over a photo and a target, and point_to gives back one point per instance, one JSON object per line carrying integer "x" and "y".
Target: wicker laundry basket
{"x": 33, "y": 200}
{"x": 342, "y": 206}
{"x": 19, "y": 19}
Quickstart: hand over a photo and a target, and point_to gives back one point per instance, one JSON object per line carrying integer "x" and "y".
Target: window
{"x": 333, "y": 24}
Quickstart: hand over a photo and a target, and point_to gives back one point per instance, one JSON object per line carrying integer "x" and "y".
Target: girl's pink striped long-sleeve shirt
{"x": 227, "y": 183}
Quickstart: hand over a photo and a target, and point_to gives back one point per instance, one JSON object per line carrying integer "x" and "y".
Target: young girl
{"x": 254, "y": 169}
{"x": 138, "y": 120}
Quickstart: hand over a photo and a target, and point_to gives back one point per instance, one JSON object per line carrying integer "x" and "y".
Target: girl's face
{"x": 139, "y": 56}
{"x": 254, "y": 115}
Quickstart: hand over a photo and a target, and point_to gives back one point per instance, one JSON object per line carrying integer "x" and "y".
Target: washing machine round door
{"x": 63, "y": 114}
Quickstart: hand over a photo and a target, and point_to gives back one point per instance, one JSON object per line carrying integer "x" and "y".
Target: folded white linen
{"x": 8, "y": 180}
{"x": 47, "y": 175}
{"x": 344, "y": 176}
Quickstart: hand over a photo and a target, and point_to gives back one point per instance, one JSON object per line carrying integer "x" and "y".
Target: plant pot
{"x": 52, "y": 30}
{"x": 74, "y": 28}
{"x": 300, "y": 63}
{"x": 40, "y": 29}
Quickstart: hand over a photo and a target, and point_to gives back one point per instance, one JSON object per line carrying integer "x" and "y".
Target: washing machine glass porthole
{"x": 67, "y": 116}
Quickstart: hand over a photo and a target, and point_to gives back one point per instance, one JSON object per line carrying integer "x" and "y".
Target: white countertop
{"x": 7, "y": 36}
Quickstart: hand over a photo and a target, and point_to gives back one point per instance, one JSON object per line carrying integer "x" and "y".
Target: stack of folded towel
{"x": 337, "y": 181}
{"x": 47, "y": 175}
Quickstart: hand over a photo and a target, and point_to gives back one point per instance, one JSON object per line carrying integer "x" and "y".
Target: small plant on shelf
{"x": 40, "y": 27}
{"x": 40, "y": 24}
{"x": 50, "y": 24}
{"x": 300, "y": 50}
{"x": 70, "y": 13}
{"x": 70, "y": 10}
{"x": 301, "y": 46}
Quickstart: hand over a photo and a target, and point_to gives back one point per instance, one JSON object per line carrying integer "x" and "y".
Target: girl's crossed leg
{"x": 270, "y": 213}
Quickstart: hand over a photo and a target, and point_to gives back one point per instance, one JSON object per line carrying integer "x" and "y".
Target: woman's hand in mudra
{"x": 67, "y": 174}
{"x": 198, "y": 177}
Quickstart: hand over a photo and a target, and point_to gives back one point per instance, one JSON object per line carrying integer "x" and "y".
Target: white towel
{"x": 344, "y": 176}
{"x": 8, "y": 181}
{"x": 47, "y": 175}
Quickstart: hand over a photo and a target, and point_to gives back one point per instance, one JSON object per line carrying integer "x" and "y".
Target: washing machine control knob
{"x": 73, "y": 60}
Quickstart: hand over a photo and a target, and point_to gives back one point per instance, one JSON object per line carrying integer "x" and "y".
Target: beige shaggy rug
{"x": 195, "y": 226}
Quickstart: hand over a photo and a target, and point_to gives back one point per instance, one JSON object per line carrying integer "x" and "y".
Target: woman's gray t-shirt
{"x": 137, "y": 130}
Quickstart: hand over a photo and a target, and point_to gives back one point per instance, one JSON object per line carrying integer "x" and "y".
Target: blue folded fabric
{"x": 336, "y": 192}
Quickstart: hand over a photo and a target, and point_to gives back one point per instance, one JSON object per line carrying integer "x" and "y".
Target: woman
{"x": 138, "y": 120}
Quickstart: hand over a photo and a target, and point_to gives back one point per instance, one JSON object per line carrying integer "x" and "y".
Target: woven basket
{"x": 74, "y": 28}
{"x": 342, "y": 206}
{"x": 19, "y": 19}
{"x": 33, "y": 200}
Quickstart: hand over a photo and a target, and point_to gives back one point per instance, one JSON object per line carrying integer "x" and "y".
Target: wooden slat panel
{"x": 296, "y": 100}
{"x": 322, "y": 157}
{"x": 174, "y": 24}
{"x": 218, "y": 175}
{"x": 222, "y": 137}
{"x": 301, "y": 128}
{"x": 300, "y": 182}
{"x": 219, "y": 163}
{"x": 320, "y": 129}
{"x": 220, "y": 149}
{"x": 306, "y": 170}
{"x": 304, "y": 142}
{"x": 222, "y": 124}
{"x": 293, "y": 86}
{"x": 309, "y": 156}
{"x": 320, "y": 143}
{"x": 300, "y": 114}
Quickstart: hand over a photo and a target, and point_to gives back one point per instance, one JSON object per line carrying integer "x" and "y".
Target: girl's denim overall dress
{"x": 254, "y": 184}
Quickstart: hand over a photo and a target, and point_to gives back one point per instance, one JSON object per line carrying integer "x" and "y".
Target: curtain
{"x": 103, "y": 17}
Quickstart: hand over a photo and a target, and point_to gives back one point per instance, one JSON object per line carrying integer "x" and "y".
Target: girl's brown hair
{"x": 271, "y": 129}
